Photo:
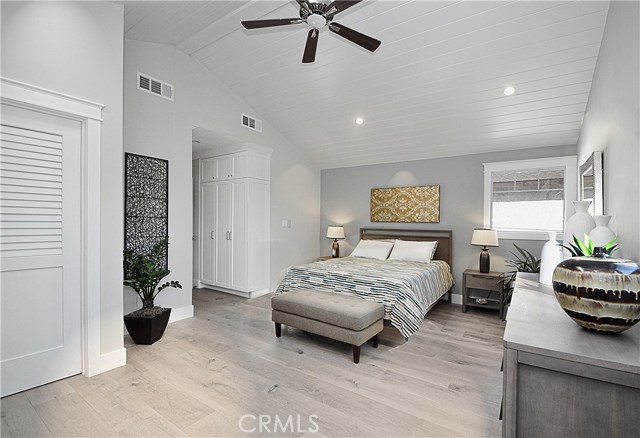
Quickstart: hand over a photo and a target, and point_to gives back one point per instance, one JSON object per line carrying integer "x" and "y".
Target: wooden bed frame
{"x": 443, "y": 237}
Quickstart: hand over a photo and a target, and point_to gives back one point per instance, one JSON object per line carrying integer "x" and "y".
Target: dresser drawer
{"x": 479, "y": 281}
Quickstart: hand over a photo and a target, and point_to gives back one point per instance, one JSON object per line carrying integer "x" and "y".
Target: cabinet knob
{"x": 213, "y": 236}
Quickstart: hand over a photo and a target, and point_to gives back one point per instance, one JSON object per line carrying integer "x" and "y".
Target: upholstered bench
{"x": 340, "y": 317}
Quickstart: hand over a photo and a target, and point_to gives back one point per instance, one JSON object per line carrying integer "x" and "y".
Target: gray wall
{"x": 76, "y": 48}
{"x": 162, "y": 128}
{"x": 346, "y": 196}
{"x": 612, "y": 123}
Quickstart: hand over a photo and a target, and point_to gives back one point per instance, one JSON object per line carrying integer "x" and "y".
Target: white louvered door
{"x": 40, "y": 248}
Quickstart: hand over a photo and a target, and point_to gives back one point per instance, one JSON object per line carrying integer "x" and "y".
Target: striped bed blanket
{"x": 406, "y": 289}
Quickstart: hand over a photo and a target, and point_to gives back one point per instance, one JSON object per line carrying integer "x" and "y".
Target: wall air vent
{"x": 251, "y": 122}
{"x": 155, "y": 86}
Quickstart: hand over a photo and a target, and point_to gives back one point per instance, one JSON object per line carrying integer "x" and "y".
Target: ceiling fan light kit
{"x": 316, "y": 21}
{"x": 319, "y": 14}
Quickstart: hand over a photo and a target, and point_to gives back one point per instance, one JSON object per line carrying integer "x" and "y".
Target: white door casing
{"x": 87, "y": 116}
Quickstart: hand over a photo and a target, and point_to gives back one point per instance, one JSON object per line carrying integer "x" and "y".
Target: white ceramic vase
{"x": 551, "y": 256}
{"x": 578, "y": 225}
{"x": 602, "y": 234}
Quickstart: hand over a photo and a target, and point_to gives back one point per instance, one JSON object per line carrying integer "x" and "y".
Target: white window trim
{"x": 570, "y": 164}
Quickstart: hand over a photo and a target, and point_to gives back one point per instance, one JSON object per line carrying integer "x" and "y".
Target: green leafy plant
{"x": 586, "y": 247}
{"x": 144, "y": 272}
{"x": 523, "y": 261}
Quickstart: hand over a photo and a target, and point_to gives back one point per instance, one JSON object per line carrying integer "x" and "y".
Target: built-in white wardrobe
{"x": 234, "y": 191}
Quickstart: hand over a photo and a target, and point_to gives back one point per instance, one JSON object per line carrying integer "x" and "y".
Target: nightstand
{"x": 489, "y": 282}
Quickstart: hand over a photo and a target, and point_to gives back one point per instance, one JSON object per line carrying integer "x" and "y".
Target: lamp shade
{"x": 335, "y": 232}
{"x": 484, "y": 237}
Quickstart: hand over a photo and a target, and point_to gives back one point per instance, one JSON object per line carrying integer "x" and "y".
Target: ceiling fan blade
{"x": 356, "y": 37}
{"x": 340, "y": 5}
{"x": 257, "y": 24}
{"x": 304, "y": 4}
{"x": 311, "y": 46}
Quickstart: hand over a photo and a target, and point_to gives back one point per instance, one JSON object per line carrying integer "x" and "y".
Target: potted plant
{"x": 143, "y": 273}
{"x": 523, "y": 261}
{"x": 586, "y": 247}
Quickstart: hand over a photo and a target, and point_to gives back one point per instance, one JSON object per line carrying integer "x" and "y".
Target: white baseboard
{"x": 252, "y": 294}
{"x": 259, "y": 293}
{"x": 456, "y": 299}
{"x": 113, "y": 359}
{"x": 181, "y": 313}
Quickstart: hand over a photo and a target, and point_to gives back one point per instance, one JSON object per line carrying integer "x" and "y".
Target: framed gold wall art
{"x": 406, "y": 204}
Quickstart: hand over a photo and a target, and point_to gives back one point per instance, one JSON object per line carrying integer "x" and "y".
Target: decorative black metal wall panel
{"x": 146, "y": 210}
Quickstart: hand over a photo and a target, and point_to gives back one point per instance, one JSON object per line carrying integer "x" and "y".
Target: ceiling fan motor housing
{"x": 315, "y": 13}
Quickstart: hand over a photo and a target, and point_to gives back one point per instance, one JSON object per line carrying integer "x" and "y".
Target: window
{"x": 525, "y": 199}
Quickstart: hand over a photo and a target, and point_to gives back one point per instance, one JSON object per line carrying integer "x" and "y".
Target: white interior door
{"x": 40, "y": 248}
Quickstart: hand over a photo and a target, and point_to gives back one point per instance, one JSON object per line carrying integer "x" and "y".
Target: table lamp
{"x": 335, "y": 232}
{"x": 484, "y": 238}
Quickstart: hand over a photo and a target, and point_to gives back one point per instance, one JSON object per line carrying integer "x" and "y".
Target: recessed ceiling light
{"x": 508, "y": 91}
{"x": 359, "y": 121}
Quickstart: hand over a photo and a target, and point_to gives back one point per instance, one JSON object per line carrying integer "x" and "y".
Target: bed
{"x": 408, "y": 290}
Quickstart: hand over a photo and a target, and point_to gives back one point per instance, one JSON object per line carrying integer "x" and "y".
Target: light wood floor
{"x": 209, "y": 371}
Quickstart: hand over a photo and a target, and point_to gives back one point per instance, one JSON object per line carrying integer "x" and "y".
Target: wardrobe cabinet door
{"x": 224, "y": 235}
{"x": 208, "y": 234}
{"x": 239, "y": 235}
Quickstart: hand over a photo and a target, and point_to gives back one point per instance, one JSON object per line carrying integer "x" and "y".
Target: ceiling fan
{"x": 318, "y": 14}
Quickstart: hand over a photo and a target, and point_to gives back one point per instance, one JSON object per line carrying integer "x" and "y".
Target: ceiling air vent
{"x": 251, "y": 122}
{"x": 154, "y": 86}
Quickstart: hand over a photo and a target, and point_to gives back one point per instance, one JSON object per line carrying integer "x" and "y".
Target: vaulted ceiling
{"x": 434, "y": 88}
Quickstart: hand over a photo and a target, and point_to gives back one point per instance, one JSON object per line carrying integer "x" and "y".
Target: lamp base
{"x": 335, "y": 249}
{"x": 485, "y": 261}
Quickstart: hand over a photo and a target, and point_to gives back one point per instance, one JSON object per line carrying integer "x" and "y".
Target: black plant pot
{"x": 146, "y": 330}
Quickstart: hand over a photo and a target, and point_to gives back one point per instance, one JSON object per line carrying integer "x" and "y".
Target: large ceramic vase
{"x": 579, "y": 224}
{"x": 549, "y": 259}
{"x": 599, "y": 293}
{"x": 602, "y": 234}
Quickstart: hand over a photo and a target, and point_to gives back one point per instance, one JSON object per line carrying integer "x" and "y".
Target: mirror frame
{"x": 593, "y": 162}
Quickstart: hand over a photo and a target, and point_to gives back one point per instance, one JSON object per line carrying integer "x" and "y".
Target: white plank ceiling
{"x": 432, "y": 89}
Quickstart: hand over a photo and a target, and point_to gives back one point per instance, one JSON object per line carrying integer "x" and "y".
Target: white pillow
{"x": 413, "y": 251}
{"x": 373, "y": 249}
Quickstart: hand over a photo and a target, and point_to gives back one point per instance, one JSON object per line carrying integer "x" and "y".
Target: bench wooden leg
{"x": 278, "y": 329}
{"x": 356, "y": 353}
{"x": 374, "y": 341}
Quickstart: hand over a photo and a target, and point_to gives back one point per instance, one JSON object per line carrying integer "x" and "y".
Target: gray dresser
{"x": 561, "y": 380}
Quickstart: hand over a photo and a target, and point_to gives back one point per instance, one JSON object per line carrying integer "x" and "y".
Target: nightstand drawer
{"x": 480, "y": 281}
